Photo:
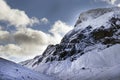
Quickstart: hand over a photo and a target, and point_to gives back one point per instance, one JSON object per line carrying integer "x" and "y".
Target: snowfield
{"x": 13, "y": 71}
{"x": 94, "y": 65}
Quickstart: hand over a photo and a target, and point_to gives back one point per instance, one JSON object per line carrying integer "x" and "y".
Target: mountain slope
{"x": 13, "y": 71}
{"x": 88, "y": 52}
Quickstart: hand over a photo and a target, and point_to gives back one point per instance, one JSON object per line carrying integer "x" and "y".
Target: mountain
{"x": 12, "y": 71}
{"x": 91, "y": 51}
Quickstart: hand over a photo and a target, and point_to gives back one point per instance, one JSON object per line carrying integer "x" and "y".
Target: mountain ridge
{"x": 93, "y": 44}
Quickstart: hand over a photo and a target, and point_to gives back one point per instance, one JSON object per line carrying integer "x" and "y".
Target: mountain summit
{"x": 91, "y": 51}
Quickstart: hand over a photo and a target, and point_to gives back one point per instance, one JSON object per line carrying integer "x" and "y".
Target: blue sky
{"x": 27, "y": 27}
{"x": 64, "y": 10}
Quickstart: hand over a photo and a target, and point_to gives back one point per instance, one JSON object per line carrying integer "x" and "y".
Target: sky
{"x": 27, "y": 27}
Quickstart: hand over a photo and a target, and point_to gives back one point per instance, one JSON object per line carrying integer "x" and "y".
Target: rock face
{"x": 92, "y": 46}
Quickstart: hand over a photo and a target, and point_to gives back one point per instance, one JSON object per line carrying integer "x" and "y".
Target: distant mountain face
{"x": 13, "y": 71}
{"x": 91, "y": 48}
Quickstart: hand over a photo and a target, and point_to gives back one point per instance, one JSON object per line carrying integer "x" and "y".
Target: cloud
{"x": 18, "y": 53}
{"x": 27, "y": 42}
{"x": 30, "y": 36}
{"x": 36, "y": 37}
{"x": 60, "y": 28}
{"x": 113, "y": 2}
{"x": 44, "y": 20}
{"x": 4, "y": 37}
{"x": 110, "y": 1}
{"x": 0, "y": 27}
{"x": 17, "y": 17}
{"x": 118, "y": 5}
{"x": 10, "y": 48}
{"x": 24, "y": 44}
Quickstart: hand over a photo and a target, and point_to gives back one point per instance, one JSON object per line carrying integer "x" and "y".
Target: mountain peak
{"x": 94, "y": 13}
{"x": 91, "y": 46}
{"x": 99, "y": 32}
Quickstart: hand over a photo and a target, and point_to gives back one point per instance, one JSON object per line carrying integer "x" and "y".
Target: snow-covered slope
{"x": 13, "y": 71}
{"x": 91, "y": 51}
{"x": 94, "y": 13}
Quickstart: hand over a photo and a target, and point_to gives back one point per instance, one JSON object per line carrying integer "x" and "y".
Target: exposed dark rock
{"x": 78, "y": 42}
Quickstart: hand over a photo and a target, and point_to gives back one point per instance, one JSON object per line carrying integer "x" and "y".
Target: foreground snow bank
{"x": 13, "y": 71}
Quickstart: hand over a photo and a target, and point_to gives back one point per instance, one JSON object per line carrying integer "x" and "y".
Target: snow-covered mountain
{"x": 12, "y": 71}
{"x": 91, "y": 51}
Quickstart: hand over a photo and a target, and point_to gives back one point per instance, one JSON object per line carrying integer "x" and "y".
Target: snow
{"x": 13, "y": 71}
{"x": 118, "y": 22}
{"x": 97, "y": 22}
{"x": 96, "y": 63}
{"x": 99, "y": 61}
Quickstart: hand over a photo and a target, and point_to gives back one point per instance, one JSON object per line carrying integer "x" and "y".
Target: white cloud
{"x": 27, "y": 42}
{"x": 113, "y": 2}
{"x": 23, "y": 44}
{"x": 44, "y": 20}
{"x": 110, "y": 1}
{"x": 20, "y": 52}
{"x": 30, "y": 36}
{"x": 10, "y": 48}
{"x": 4, "y": 36}
{"x": 15, "y": 17}
{"x": 60, "y": 28}
{"x": 118, "y": 5}
{"x": 0, "y": 27}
